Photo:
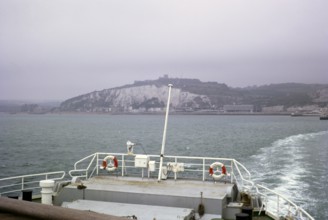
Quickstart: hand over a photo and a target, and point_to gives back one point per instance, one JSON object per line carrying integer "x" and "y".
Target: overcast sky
{"x": 63, "y": 48}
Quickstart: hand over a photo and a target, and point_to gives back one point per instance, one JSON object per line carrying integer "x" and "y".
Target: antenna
{"x": 164, "y": 133}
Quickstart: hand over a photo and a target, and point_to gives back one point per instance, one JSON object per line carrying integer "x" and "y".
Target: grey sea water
{"x": 288, "y": 154}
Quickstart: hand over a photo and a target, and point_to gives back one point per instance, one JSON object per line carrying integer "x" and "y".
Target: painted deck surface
{"x": 185, "y": 188}
{"x": 144, "y": 212}
{"x": 143, "y": 195}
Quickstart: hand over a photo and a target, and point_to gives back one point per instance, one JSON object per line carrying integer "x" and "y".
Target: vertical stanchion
{"x": 204, "y": 169}
{"x": 97, "y": 161}
{"x": 123, "y": 165}
{"x": 231, "y": 172}
{"x": 22, "y": 183}
{"x": 278, "y": 210}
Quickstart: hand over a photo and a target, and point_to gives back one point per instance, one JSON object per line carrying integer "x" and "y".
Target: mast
{"x": 164, "y": 133}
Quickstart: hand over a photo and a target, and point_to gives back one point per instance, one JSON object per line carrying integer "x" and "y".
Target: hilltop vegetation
{"x": 194, "y": 95}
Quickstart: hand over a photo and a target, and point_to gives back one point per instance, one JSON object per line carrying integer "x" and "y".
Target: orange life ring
{"x": 222, "y": 173}
{"x": 107, "y": 166}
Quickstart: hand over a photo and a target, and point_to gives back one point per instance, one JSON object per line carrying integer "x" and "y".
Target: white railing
{"x": 195, "y": 166}
{"x": 84, "y": 173}
{"x": 278, "y": 205}
{"x": 24, "y": 182}
{"x": 198, "y": 167}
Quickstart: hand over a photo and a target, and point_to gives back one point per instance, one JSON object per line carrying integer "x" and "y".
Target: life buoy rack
{"x": 110, "y": 166}
{"x": 223, "y": 171}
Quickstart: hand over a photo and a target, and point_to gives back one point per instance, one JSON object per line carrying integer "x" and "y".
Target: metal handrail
{"x": 243, "y": 179}
{"x": 21, "y": 181}
{"x": 299, "y": 212}
{"x": 83, "y": 159}
{"x": 203, "y": 163}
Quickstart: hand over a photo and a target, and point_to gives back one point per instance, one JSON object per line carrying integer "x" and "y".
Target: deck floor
{"x": 144, "y": 212}
{"x": 185, "y": 188}
{"x": 121, "y": 201}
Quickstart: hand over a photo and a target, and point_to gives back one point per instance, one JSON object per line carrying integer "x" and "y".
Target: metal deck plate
{"x": 144, "y": 212}
{"x": 185, "y": 188}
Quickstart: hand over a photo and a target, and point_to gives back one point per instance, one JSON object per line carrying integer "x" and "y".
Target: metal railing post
{"x": 231, "y": 172}
{"x": 22, "y": 183}
{"x": 278, "y": 209}
{"x": 97, "y": 163}
{"x": 204, "y": 169}
{"x": 175, "y": 173}
{"x": 123, "y": 165}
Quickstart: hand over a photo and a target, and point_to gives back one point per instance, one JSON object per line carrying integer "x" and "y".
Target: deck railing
{"x": 278, "y": 205}
{"x": 24, "y": 182}
{"x": 195, "y": 168}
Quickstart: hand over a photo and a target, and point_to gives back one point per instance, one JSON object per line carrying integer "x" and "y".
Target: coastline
{"x": 171, "y": 112}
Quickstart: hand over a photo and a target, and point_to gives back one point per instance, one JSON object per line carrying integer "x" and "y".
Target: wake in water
{"x": 284, "y": 166}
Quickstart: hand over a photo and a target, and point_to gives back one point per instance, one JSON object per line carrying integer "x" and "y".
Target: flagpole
{"x": 164, "y": 134}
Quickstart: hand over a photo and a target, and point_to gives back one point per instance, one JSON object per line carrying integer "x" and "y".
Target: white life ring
{"x": 223, "y": 171}
{"x": 111, "y": 166}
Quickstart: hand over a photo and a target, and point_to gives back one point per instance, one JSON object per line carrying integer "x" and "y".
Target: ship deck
{"x": 124, "y": 194}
